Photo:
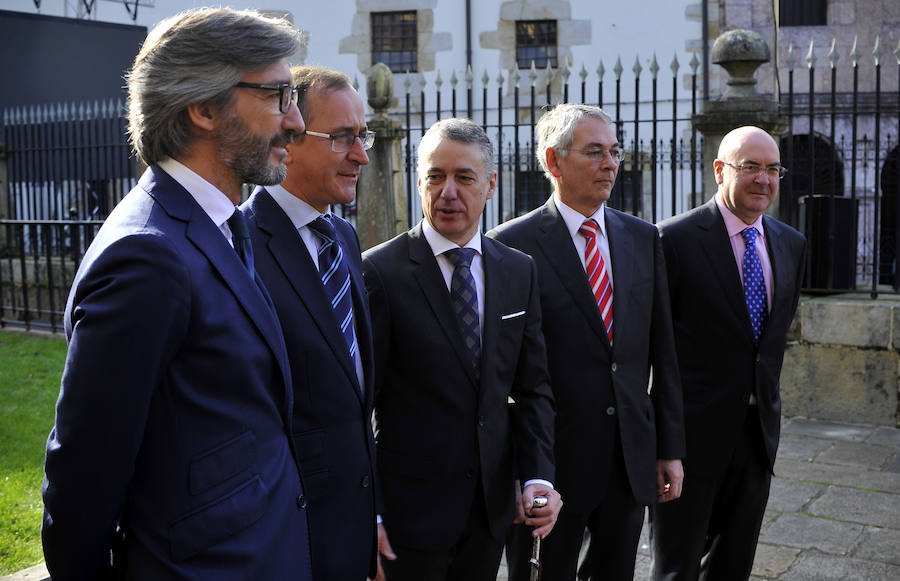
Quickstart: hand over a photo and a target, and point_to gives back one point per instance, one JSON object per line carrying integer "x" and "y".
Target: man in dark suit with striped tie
{"x": 310, "y": 262}
{"x": 457, "y": 323}
{"x": 618, "y": 444}
{"x": 734, "y": 281}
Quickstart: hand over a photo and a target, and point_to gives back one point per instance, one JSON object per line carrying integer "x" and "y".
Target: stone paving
{"x": 834, "y": 506}
{"x": 833, "y": 514}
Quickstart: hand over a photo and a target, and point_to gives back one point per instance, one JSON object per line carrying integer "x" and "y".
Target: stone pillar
{"x": 381, "y": 198}
{"x": 740, "y": 53}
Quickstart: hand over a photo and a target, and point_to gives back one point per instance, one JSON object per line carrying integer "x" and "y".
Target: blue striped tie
{"x": 754, "y": 284}
{"x": 465, "y": 301}
{"x": 336, "y": 278}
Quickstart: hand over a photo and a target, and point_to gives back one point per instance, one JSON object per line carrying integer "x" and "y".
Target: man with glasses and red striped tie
{"x": 310, "y": 262}
{"x": 734, "y": 280}
{"x": 607, "y": 325}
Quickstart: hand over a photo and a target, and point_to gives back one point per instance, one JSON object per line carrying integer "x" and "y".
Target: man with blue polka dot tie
{"x": 734, "y": 283}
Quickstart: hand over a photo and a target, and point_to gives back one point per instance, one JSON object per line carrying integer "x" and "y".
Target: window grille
{"x": 536, "y": 41}
{"x": 395, "y": 40}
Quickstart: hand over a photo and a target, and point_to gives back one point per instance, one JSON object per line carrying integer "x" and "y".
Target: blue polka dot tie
{"x": 754, "y": 284}
{"x": 465, "y": 301}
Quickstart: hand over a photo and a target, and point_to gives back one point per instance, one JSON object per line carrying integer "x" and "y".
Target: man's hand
{"x": 384, "y": 550}
{"x": 541, "y": 518}
{"x": 669, "y": 479}
{"x": 520, "y": 512}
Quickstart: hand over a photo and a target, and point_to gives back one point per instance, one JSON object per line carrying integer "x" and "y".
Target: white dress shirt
{"x": 213, "y": 201}
{"x": 574, "y": 219}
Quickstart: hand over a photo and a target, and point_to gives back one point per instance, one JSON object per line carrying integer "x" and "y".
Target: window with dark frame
{"x": 395, "y": 41}
{"x": 802, "y": 13}
{"x": 536, "y": 41}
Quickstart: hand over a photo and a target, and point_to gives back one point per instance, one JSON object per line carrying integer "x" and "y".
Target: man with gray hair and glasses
{"x": 607, "y": 325}
{"x": 171, "y": 456}
{"x": 734, "y": 280}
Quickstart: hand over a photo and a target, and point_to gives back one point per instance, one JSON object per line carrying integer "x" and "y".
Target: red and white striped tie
{"x": 598, "y": 276}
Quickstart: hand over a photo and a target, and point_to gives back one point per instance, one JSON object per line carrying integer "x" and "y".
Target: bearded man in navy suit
{"x": 172, "y": 445}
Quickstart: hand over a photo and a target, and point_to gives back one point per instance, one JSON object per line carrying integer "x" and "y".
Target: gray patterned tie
{"x": 465, "y": 302}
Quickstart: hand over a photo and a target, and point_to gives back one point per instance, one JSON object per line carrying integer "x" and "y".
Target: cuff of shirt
{"x": 541, "y": 481}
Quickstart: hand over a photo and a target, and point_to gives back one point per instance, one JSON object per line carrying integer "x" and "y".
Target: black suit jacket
{"x": 720, "y": 365}
{"x": 173, "y": 418}
{"x": 438, "y": 431}
{"x": 331, "y": 420}
{"x": 601, "y": 389}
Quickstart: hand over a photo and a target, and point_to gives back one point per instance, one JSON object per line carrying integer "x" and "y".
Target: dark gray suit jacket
{"x": 440, "y": 432}
{"x": 720, "y": 365}
{"x": 601, "y": 390}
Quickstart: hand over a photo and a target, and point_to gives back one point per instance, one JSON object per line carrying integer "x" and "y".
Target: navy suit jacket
{"x": 173, "y": 419}
{"x": 439, "y": 431}
{"x": 332, "y": 426}
{"x": 601, "y": 390}
{"x": 720, "y": 365}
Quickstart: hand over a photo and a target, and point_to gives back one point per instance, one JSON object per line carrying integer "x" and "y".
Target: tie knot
{"x": 589, "y": 229}
{"x": 461, "y": 256}
{"x": 238, "y": 226}
{"x": 323, "y": 227}
{"x": 749, "y": 235}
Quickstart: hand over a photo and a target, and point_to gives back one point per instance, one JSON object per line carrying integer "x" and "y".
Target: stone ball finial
{"x": 380, "y": 87}
{"x": 740, "y": 53}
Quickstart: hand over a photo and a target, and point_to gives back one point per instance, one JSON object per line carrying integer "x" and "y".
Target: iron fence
{"x": 68, "y": 165}
{"x": 841, "y": 149}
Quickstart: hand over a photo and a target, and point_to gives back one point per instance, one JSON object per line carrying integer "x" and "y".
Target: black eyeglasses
{"x": 343, "y": 142}
{"x": 287, "y": 94}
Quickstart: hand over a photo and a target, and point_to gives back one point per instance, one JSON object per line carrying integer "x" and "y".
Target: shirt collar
{"x": 300, "y": 213}
{"x": 574, "y": 219}
{"x": 440, "y": 245}
{"x": 213, "y": 201}
{"x": 735, "y": 225}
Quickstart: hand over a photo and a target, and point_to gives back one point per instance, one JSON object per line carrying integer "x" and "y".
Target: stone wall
{"x": 842, "y": 362}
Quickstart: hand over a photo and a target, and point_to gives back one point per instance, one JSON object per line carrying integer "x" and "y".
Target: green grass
{"x": 30, "y": 369}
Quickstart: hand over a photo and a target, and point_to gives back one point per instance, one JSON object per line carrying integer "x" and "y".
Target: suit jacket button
{"x": 365, "y": 481}
{"x": 470, "y": 473}
{"x": 481, "y": 421}
{"x": 610, "y": 410}
{"x": 301, "y": 502}
{"x": 613, "y": 366}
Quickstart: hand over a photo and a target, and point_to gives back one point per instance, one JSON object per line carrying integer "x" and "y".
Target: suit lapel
{"x": 717, "y": 249}
{"x": 209, "y": 240}
{"x": 428, "y": 276}
{"x": 496, "y": 280}
{"x": 621, "y": 251}
{"x": 289, "y": 252}
{"x": 556, "y": 244}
